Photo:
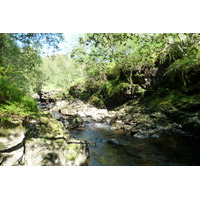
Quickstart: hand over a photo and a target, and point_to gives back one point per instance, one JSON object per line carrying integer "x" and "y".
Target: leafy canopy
{"x": 127, "y": 51}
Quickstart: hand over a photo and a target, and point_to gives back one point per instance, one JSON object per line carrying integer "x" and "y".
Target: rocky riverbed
{"x": 133, "y": 119}
{"x": 129, "y": 135}
{"x": 47, "y": 140}
{"x": 145, "y": 119}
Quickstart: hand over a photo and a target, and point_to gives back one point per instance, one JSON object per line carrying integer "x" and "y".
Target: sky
{"x": 71, "y": 40}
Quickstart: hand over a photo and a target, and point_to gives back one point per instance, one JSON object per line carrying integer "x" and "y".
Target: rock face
{"x": 12, "y": 158}
{"x": 59, "y": 152}
{"x": 153, "y": 115}
{"x": 52, "y": 146}
{"x": 11, "y": 134}
{"x": 11, "y": 142}
{"x": 47, "y": 143}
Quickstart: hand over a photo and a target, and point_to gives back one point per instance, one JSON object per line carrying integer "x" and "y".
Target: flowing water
{"x": 168, "y": 149}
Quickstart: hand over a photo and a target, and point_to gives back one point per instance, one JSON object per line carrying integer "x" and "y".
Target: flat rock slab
{"x": 11, "y": 134}
{"x": 11, "y": 158}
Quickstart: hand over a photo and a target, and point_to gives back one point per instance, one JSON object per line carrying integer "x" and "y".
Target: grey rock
{"x": 117, "y": 125}
{"x": 142, "y": 135}
{"x": 112, "y": 141}
{"x": 12, "y": 158}
{"x": 11, "y": 142}
{"x": 11, "y": 134}
{"x": 45, "y": 152}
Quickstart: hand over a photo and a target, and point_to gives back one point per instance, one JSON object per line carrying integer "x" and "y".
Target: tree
{"x": 20, "y": 70}
{"x": 20, "y": 55}
{"x": 129, "y": 51}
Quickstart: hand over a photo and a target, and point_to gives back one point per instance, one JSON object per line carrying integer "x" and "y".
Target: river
{"x": 167, "y": 150}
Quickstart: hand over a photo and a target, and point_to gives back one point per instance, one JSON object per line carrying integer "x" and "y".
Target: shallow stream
{"x": 168, "y": 149}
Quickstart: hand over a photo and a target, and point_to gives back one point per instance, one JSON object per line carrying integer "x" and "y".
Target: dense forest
{"x": 147, "y": 79}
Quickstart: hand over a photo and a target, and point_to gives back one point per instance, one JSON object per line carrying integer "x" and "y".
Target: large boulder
{"x": 47, "y": 142}
{"x": 11, "y": 134}
{"x": 74, "y": 121}
{"x": 49, "y": 127}
{"x": 51, "y": 96}
{"x": 57, "y": 152}
{"x": 11, "y": 142}
{"x": 51, "y": 146}
{"x": 99, "y": 115}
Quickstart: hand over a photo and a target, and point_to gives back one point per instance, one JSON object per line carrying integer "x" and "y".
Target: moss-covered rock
{"x": 96, "y": 101}
{"x": 76, "y": 90}
{"x": 192, "y": 125}
{"x": 50, "y": 128}
{"x": 174, "y": 107}
{"x": 52, "y": 96}
{"x": 11, "y": 134}
{"x": 57, "y": 152}
{"x": 75, "y": 121}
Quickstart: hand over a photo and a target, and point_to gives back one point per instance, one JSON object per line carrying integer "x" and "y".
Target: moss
{"x": 72, "y": 157}
{"x": 96, "y": 101}
{"x": 172, "y": 103}
{"x": 141, "y": 90}
{"x": 85, "y": 95}
{"x": 49, "y": 127}
{"x": 10, "y": 128}
{"x": 195, "y": 99}
{"x": 74, "y": 146}
{"x": 12, "y": 123}
{"x": 73, "y": 151}
{"x": 112, "y": 88}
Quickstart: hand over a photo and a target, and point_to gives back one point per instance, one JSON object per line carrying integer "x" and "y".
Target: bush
{"x": 13, "y": 101}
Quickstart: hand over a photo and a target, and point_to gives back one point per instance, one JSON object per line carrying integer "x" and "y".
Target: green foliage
{"x": 9, "y": 92}
{"x": 20, "y": 72}
{"x": 128, "y": 51}
{"x": 111, "y": 87}
{"x": 104, "y": 63}
{"x": 20, "y": 57}
{"x": 14, "y": 101}
{"x": 61, "y": 72}
{"x": 25, "y": 107}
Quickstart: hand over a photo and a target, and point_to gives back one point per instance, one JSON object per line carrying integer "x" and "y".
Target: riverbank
{"x": 40, "y": 141}
{"x": 50, "y": 139}
{"x": 169, "y": 111}
{"x": 136, "y": 133}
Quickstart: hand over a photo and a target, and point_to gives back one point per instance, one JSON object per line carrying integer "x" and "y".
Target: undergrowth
{"x": 14, "y": 102}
